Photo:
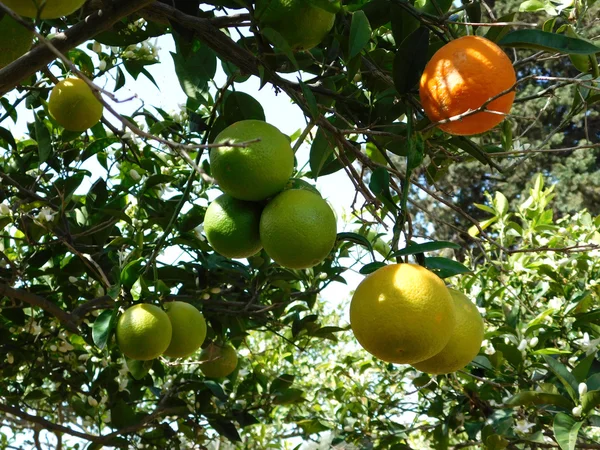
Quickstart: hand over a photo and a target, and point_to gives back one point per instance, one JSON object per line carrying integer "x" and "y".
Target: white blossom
{"x": 582, "y": 389}
{"x": 522, "y": 345}
{"x": 134, "y": 174}
{"x": 523, "y": 426}
{"x": 102, "y": 65}
{"x": 4, "y": 209}
{"x": 576, "y": 411}
{"x": 92, "y": 401}
{"x": 46, "y": 214}
{"x": 587, "y": 345}
{"x": 97, "y": 47}
{"x": 533, "y": 341}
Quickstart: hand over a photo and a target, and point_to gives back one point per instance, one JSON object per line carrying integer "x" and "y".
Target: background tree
{"x": 73, "y": 258}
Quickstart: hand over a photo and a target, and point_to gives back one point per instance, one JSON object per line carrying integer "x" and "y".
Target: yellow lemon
{"x": 402, "y": 313}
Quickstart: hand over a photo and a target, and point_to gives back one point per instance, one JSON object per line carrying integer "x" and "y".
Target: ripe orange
{"x": 464, "y": 343}
{"x": 462, "y": 76}
{"x": 51, "y": 9}
{"x": 298, "y": 229}
{"x": 257, "y": 171}
{"x": 402, "y": 313}
{"x": 73, "y": 105}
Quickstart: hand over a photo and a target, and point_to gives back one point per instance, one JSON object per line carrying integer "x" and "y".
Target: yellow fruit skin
{"x": 52, "y": 8}
{"x": 402, "y": 313}
{"x": 258, "y": 171}
{"x": 464, "y": 343}
{"x": 298, "y": 229}
{"x": 144, "y": 332}
{"x": 231, "y": 227}
{"x": 218, "y": 361}
{"x": 73, "y": 105}
{"x": 15, "y": 40}
{"x": 301, "y": 24}
{"x": 189, "y": 329}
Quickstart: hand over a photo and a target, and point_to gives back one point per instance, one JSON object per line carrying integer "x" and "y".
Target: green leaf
{"x": 528, "y": 398}
{"x": 581, "y": 370}
{"x": 281, "y": 44}
{"x": 131, "y": 272}
{"x": 533, "y": 6}
{"x": 410, "y": 60}
{"x": 138, "y": 369}
{"x": 589, "y": 401}
{"x": 242, "y": 106}
{"x": 194, "y": 70}
{"x": 563, "y": 374}
{"x": 312, "y": 426}
{"x": 371, "y": 267}
{"x": 472, "y": 149}
{"x": 445, "y": 267}
{"x": 413, "y": 249}
{"x": 97, "y": 146}
{"x": 313, "y": 107}
{"x": 566, "y": 431}
{"x": 42, "y": 136}
{"x": 225, "y": 428}
{"x": 360, "y": 33}
{"x": 380, "y": 186}
{"x": 496, "y": 33}
{"x": 103, "y": 327}
{"x": 542, "y": 40}
{"x": 355, "y": 238}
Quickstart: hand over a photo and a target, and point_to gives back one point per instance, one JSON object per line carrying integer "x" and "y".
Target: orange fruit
{"x": 257, "y": 171}
{"x": 465, "y": 342}
{"x": 74, "y": 106}
{"x": 402, "y": 313}
{"x": 189, "y": 329}
{"x": 462, "y": 76}
{"x": 144, "y": 332}
{"x": 218, "y": 361}
{"x": 48, "y": 9}
{"x": 298, "y": 229}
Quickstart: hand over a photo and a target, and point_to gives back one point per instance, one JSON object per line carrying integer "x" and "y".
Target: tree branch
{"x": 40, "y": 302}
{"x": 89, "y": 27}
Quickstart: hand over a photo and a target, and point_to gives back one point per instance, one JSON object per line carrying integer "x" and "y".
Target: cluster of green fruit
{"x": 261, "y": 207}
{"x": 405, "y": 314}
{"x": 145, "y": 332}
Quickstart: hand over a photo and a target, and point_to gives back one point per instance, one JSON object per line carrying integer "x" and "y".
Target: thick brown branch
{"x": 41, "y": 55}
{"x": 40, "y": 302}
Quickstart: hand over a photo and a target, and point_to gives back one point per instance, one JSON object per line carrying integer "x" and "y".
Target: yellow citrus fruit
{"x": 218, "y": 361}
{"x": 144, "y": 332}
{"x": 189, "y": 329}
{"x": 48, "y": 9}
{"x": 464, "y": 343}
{"x": 257, "y": 171}
{"x": 232, "y": 227}
{"x": 15, "y": 40}
{"x": 298, "y": 229}
{"x": 402, "y": 313}
{"x": 463, "y": 75}
{"x": 73, "y": 105}
{"x": 301, "y": 23}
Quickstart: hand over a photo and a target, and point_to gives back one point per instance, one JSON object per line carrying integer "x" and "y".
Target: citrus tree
{"x": 109, "y": 340}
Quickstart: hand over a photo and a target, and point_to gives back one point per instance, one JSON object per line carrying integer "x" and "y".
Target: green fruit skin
{"x": 189, "y": 329}
{"x": 255, "y": 172}
{"x": 298, "y": 183}
{"x": 232, "y": 227}
{"x": 145, "y": 342}
{"x": 219, "y": 361}
{"x": 301, "y": 24}
{"x": 303, "y": 236}
{"x": 15, "y": 40}
{"x": 53, "y": 9}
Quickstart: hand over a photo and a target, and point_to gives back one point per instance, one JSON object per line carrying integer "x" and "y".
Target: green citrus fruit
{"x": 189, "y": 329}
{"x": 257, "y": 171}
{"x": 73, "y": 105}
{"x": 298, "y": 229}
{"x": 51, "y": 9}
{"x": 15, "y": 40}
{"x": 302, "y": 24}
{"x": 298, "y": 183}
{"x": 232, "y": 227}
{"x": 402, "y": 313}
{"x": 464, "y": 343}
{"x": 144, "y": 332}
{"x": 218, "y": 361}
